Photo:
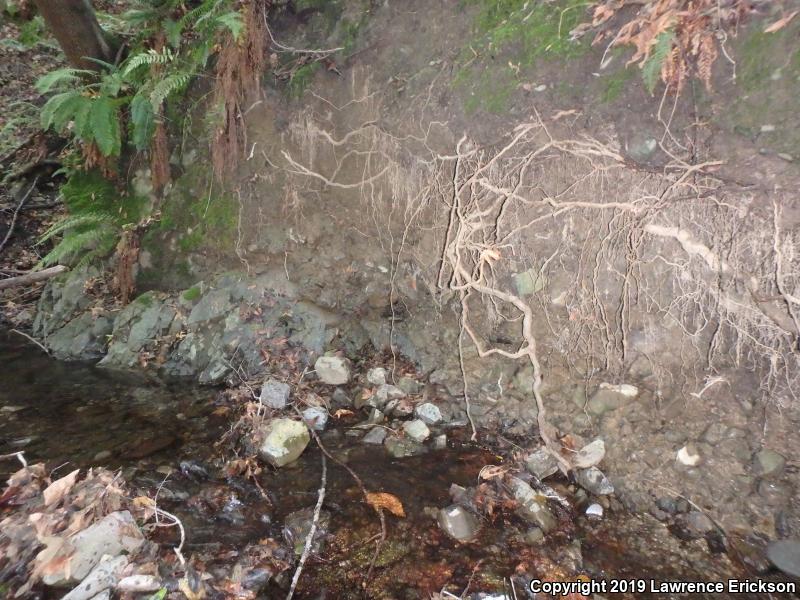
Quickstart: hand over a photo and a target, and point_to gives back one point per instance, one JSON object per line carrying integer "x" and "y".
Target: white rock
{"x": 333, "y": 370}
{"x": 417, "y": 430}
{"x": 593, "y": 480}
{"x": 594, "y": 510}
{"x": 625, "y": 389}
{"x": 377, "y": 376}
{"x": 139, "y": 583}
{"x": 429, "y": 413}
{"x": 104, "y": 576}
{"x": 590, "y": 455}
{"x": 284, "y": 441}
{"x": 316, "y": 417}
{"x": 688, "y": 456}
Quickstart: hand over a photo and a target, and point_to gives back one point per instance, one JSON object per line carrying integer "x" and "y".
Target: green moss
{"x": 614, "y": 84}
{"x": 146, "y": 300}
{"x": 510, "y": 38}
{"x": 88, "y": 192}
{"x": 192, "y": 294}
{"x": 302, "y": 79}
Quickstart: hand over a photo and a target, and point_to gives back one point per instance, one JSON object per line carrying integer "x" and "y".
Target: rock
{"x": 594, "y": 481}
{"x": 114, "y": 534}
{"x": 284, "y": 441}
{"x": 689, "y": 456}
{"x": 388, "y": 392}
{"x": 417, "y": 430}
{"x": 440, "y": 442}
{"x": 532, "y": 505}
{"x": 429, "y": 413}
{"x": 103, "y": 577}
{"x": 214, "y": 305}
{"x": 139, "y": 583}
{"x": 403, "y": 447}
{"x": 409, "y": 385}
{"x": 785, "y": 555}
{"x": 136, "y": 329}
{"x": 333, "y": 370}
{"x": 399, "y": 408}
{"x": 376, "y": 436}
{"x": 377, "y": 376}
{"x": 457, "y": 522}
{"x": 590, "y": 455}
{"x": 667, "y": 504}
{"x": 774, "y": 493}
{"x": 529, "y": 282}
{"x": 541, "y": 463}
{"x": 85, "y": 337}
{"x": 768, "y": 463}
{"x": 275, "y": 394}
{"x": 594, "y": 511}
{"x": 297, "y": 526}
{"x": 611, "y": 397}
{"x": 534, "y": 536}
{"x": 699, "y": 522}
{"x": 316, "y": 417}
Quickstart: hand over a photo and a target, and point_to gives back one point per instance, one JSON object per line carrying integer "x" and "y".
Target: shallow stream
{"x": 162, "y": 436}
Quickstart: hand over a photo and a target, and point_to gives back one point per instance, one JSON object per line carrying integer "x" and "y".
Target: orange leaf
{"x": 60, "y": 488}
{"x": 380, "y": 500}
{"x": 342, "y": 412}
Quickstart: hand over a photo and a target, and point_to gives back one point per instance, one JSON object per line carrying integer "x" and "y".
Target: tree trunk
{"x": 75, "y": 26}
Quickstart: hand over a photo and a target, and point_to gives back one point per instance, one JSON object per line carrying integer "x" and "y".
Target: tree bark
{"x": 75, "y": 26}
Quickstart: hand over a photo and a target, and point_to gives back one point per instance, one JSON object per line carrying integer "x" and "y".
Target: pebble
{"x": 376, "y": 436}
{"x": 284, "y": 441}
{"x": 316, "y": 417}
{"x": 457, "y": 522}
{"x": 699, "y": 522}
{"x": 541, "y": 463}
{"x": 102, "y": 455}
{"x": 403, "y": 447}
{"x": 594, "y": 511}
{"x": 534, "y": 536}
{"x": 785, "y": 555}
{"x": 428, "y": 413}
{"x": 274, "y": 394}
{"x": 417, "y": 430}
{"x": 388, "y": 392}
{"x": 689, "y": 456}
{"x": 590, "y": 455}
{"x": 768, "y": 463}
{"x": 139, "y": 583}
{"x": 594, "y": 481}
{"x": 533, "y": 505}
{"x": 440, "y": 442}
{"x": 377, "y": 376}
{"x": 333, "y": 370}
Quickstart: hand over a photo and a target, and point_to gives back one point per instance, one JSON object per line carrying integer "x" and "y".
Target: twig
{"x": 313, "y": 530}
{"x": 16, "y": 213}
{"x": 31, "y": 277}
{"x": 18, "y": 455}
{"x": 35, "y": 341}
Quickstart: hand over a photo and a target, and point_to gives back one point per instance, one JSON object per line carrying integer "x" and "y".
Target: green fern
{"x": 148, "y": 57}
{"x": 168, "y": 86}
{"x": 651, "y": 69}
{"x": 85, "y": 237}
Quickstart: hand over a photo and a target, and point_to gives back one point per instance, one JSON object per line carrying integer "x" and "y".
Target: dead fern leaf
{"x": 383, "y": 500}
{"x": 781, "y": 23}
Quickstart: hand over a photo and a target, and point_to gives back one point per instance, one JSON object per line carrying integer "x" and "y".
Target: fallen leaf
{"x": 492, "y": 472}
{"x": 381, "y": 500}
{"x": 342, "y": 412}
{"x": 60, "y": 488}
{"x": 565, "y": 113}
{"x": 781, "y": 23}
{"x": 221, "y": 411}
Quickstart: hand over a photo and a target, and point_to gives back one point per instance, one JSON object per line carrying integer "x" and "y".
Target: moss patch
{"x": 192, "y": 294}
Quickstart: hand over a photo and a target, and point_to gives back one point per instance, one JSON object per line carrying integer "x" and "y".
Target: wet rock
{"x": 104, "y": 576}
{"x": 275, "y": 394}
{"x": 214, "y": 305}
{"x": 689, "y": 456}
{"x": 440, "y": 442}
{"x": 534, "y": 536}
{"x": 376, "y": 417}
{"x": 768, "y": 463}
{"x": 136, "y": 328}
{"x": 193, "y": 469}
{"x": 533, "y": 505}
{"x": 399, "y": 408}
{"x": 376, "y": 436}
{"x": 403, "y": 447}
{"x": 429, "y": 413}
{"x": 377, "y": 376}
{"x": 283, "y": 441}
{"x": 594, "y": 511}
{"x": 785, "y": 555}
{"x": 139, "y": 583}
{"x": 417, "y": 430}
{"x": 114, "y": 534}
{"x": 63, "y": 298}
{"x": 667, "y": 504}
{"x": 541, "y": 463}
{"x": 594, "y": 481}
{"x": 297, "y": 526}
{"x": 255, "y": 579}
{"x": 751, "y": 552}
{"x": 333, "y": 370}
{"x": 774, "y": 493}
{"x": 85, "y": 337}
{"x": 611, "y": 397}
{"x": 699, "y": 522}
{"x": 457, "y": 522}
{"x": 590, "y": 455}
{"x": 316, "y": 417}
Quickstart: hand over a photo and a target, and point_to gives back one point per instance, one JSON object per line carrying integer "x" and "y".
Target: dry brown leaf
{"x": 781, "y": 23}
{"x": 60, "y": 488}
{"x": 492, "y": 472}
{"x": 221, "y": 411}
{"x": 342, "y": 412}
{"x": 383, "y": 500}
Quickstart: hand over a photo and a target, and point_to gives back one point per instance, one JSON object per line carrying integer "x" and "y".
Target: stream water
{"x": 162, "y": 436}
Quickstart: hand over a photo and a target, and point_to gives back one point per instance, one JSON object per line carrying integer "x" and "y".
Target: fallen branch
{"x": 35, "y": 341}
{"x": 16, "y": 213}
{"x": 32, "y": 277}
{"x": 313, "y": 530}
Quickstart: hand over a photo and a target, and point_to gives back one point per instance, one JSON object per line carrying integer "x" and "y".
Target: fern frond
{"x": 149, "y": 57}
{"x": 59, "y": 77}
{"x": 92, "y": 220}
{"x": 651, "y": 69}
{"x": 168, "y": 86}
{"x": 97, "y": 241}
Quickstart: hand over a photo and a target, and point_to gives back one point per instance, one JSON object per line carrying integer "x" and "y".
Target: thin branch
{"x": 16, "y": 213}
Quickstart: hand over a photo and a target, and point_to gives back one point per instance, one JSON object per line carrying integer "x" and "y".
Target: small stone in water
{"x": 417, "y": 430}
{"x": 689, "y": 456}
{"x": 594, "y": 481}
{"x": 375, "y": 436}
{"x": 377, "y": 376}
{"x": 594, "y": 510}
{"x": 785, "y": 555}
{"x": 458, "y": 523}
{"x": 590, "y": 455}
{"x": 316, "y": 417}
{"x": 541, "y": 463}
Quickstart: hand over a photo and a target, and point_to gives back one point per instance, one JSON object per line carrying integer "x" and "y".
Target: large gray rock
{"x": 457, "y": 522}
{"x": 283, "y": 441}
{"x": 63, "y": 298}
{"x": 84, "y": 338}
{"x": 594, "y": 481}
{"x": 214, "y": 305}
{"x": 116, "y": 533}
{"x": 333, "y": 370}
{"x": 274, "y": 394}
{"x": 137, "y": 327}
{"x": 103, "y": 577}
{"x": 533, "y": 505}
